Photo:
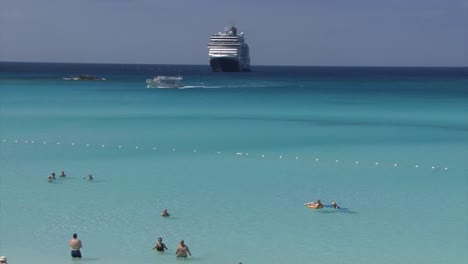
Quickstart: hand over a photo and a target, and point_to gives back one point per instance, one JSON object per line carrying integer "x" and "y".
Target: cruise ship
{"x": 228, "y": 51}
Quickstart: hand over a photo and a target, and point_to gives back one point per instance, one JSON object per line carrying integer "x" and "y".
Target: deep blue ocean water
{"x": 233, "y": 157}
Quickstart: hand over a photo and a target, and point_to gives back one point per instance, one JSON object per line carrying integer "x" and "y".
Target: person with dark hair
{"x": 160, "y": 246}
{"x": 335, "y": 205}
{"x": 164, "y": 213}
{"x": 75, "y": 245}
{"x": 314, "y": 205}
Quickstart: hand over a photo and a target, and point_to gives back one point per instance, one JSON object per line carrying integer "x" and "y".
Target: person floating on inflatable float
{"x": 314, "y": 205}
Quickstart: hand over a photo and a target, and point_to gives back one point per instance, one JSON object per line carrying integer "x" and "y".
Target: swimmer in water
{"x": 90, "y": 177}
{"x": 182, "y": 250}
{"x": 335, "y": 205}
{"x": 62, "y": 174}
{"x": 53, "y": 175}
{"x": 164, "y": 213}
{"x": 50, "y": 179}
{"x": 160, "y": 246}
{"x": 315, "y": 205}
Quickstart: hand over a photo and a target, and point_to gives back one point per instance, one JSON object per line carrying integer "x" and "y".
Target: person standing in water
{"x": 182, "y": 250}
{"x": 75, "y": 245}
{"x": 160, "y": 246}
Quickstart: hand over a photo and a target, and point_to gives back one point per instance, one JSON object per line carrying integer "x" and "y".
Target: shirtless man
{"x": 182, "y": 250}
{"x": 75, "y": 245}
{"x": 314, "y": 205}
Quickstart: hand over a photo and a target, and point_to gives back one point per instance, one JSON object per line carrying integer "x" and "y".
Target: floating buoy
{"x": 357, "y": 162}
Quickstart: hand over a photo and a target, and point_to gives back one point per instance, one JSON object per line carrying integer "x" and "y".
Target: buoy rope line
{"x": 155, "y": 148}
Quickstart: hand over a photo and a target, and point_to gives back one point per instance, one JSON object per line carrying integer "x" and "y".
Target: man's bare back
{"x": 75, "y": 244}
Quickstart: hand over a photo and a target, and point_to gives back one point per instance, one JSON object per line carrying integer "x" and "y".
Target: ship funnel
{"x": 233, "y": 31}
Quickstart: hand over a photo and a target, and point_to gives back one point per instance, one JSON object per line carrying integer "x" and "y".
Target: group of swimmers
{"x": 51, "y": 177}
{"x": 318, "y": 205}
{"x": 182, "y": 249}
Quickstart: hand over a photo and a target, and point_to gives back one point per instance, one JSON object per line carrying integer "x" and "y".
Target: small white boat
{"x": 164, "y": 82}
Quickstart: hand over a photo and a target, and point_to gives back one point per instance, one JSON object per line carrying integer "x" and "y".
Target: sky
{"x": 294, "y": 32}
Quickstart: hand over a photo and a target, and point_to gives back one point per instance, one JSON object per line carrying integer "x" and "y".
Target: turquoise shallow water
{"x": 234, "y": 157}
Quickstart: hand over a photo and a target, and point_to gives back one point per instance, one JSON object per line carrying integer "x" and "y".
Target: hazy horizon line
{"x": 258, "y": 65}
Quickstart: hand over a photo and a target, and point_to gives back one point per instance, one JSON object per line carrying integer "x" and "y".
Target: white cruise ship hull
{"x": 228, "y": 51}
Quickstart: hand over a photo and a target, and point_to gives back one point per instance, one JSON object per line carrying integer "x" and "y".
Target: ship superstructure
{"x": 228, "y": 51}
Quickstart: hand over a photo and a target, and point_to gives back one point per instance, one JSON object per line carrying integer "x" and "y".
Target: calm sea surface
{"x": 233, "y": 157}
